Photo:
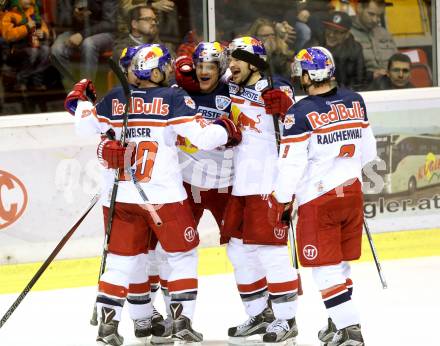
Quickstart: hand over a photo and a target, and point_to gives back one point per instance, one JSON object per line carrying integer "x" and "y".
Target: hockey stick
{"x": 47, "y": 262}
{"x": 124, "y": 83}
{"x": 156, "y": 219}
{"x": 262, "y": 65}
{"x": 376, "y": 259}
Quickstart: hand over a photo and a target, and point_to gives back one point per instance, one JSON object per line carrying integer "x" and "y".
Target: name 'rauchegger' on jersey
{"x": 328, "y": 139}
{"x": 155, "y": 118}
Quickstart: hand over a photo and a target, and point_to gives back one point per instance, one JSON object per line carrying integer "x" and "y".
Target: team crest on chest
{"x": 222, "y": 102}
{"x": 189, "y": 102}
{"x": 261, "y": 84}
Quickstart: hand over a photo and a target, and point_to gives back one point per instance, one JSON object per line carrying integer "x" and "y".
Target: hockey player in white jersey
{"x": 326, "y": 141}
{"x": 257, "y": 250}
{"x": 156, "y": 116}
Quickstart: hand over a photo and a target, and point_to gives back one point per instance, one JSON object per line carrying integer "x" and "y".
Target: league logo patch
{"x": 222, "y": 102}
{"x": 189, "y": 102}
{"x": 310, "y": 252}
{"x": 262, "y": 84}
{"x": 190, "y": 234}
{"x": 289, "y": 121}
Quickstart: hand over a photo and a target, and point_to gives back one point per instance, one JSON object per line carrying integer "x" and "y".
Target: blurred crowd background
{"x": 377, "y": 44}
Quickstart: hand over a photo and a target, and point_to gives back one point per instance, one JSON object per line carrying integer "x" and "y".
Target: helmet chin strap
{"x": 248, "y": 77}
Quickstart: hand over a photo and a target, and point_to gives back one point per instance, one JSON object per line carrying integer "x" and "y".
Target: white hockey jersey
{"x": 156, "y": 117}
{"x": 256, "y": 156}
{"x": 326, "y": 141}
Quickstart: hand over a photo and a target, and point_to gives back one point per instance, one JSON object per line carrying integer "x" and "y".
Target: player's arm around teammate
{"x": 156, "y": 116}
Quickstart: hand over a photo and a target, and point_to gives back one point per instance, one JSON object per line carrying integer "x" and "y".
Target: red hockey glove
{"x": 279, "y": 214}
{"x": 186, "y": 74}
{"x": 276, "y": 102}
{"x": 112, "y": 155}
{"x": 84, "y": 90}
{"x": 234, "y": 133}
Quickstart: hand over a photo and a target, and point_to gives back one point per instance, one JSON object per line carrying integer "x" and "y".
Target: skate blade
{"x": 162, "y": 340}
{"x": 256, "y": 339}
{"x": 185, "y": 342}
{"x": 290, "y": 342}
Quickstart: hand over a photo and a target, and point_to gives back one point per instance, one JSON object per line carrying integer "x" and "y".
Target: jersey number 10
{"x": 145, "y": 156}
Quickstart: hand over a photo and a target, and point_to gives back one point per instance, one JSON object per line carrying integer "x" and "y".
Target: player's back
{"x": 340, "y": 137}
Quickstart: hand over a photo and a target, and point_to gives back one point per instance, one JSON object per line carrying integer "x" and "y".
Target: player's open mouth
{"x": 205, "y": 79}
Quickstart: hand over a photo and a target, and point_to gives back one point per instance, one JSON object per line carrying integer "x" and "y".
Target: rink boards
{"x": 48, "y": 175}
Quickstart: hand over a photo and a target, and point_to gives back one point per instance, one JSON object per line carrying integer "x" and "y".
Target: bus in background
{"x": 411, "y": 161}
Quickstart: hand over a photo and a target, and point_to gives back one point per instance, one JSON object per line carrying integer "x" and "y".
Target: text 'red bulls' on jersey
{"x": 203, "y": 168}
{"x": 326, "y": 141}
{"x": 256, "y": 157}
{"x": 155, "y": 118}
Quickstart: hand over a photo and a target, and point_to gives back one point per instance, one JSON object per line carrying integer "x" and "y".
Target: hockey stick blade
{"x": 250, "y": 58}
{"x": 47, "y": 262}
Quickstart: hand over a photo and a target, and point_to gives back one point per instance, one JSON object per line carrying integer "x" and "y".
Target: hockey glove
{"x": 234, "y": 133}
{"x": 111, "y": 154}
{"x": 276, "y": 102}
{"x": 279, "y": 214}
{"x": 84, "y": 90}
{"x": 186, "y": 74}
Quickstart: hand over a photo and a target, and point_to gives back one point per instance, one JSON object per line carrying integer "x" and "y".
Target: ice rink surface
{"x": 405, "y": 314}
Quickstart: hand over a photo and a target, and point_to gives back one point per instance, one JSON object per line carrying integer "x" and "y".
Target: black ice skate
{"x": 157, "y": 317}
{"x": 108, "y": 329}
{"x": 348, "y": 336}
{"x": 182, "y": 329}
{"x": 325, "y": 335}
{"x": 281, "y": 332}
{"x": 255, "y": 325}
{"x": 142, "y": 327}
{"x": 162, "y": 332}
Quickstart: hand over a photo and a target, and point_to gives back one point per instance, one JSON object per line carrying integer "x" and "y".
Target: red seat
{"x": 421, "y": 75}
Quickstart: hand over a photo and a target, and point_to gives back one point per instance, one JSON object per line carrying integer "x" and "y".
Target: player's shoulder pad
{"x": 284, "y": 85}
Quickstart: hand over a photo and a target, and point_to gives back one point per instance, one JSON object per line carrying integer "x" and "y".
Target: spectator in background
{"x": 124, "y": 7}
{"x": 142, "y": 22}
{"x": 347, "y": 53}
{"x": 92, "y": 34}
{"x": 398, "y": 74}
{"x": 276, "y": 48}
{"x": 377, "y": 43}
{"x": 27, "y": 35}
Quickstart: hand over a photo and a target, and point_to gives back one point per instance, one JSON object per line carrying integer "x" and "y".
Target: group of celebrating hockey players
{"x": 210, "y": 143}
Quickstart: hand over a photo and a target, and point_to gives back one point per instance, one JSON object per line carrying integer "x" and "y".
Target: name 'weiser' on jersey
{"x": 213, "y": 168}
{"x": 255, "y": 158}
{"x": 156, "y": 117}
{"x": 326, "y": 141}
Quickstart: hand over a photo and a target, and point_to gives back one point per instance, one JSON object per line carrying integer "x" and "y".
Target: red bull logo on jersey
{"x": 243, "y": 121}
{"x": 339, "y": 112}
{"x": 139, "y": 106}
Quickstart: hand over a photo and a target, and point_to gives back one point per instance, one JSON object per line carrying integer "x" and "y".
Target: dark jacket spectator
{"x": 398, "y": 74}
{"x": 349, "y": 60}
